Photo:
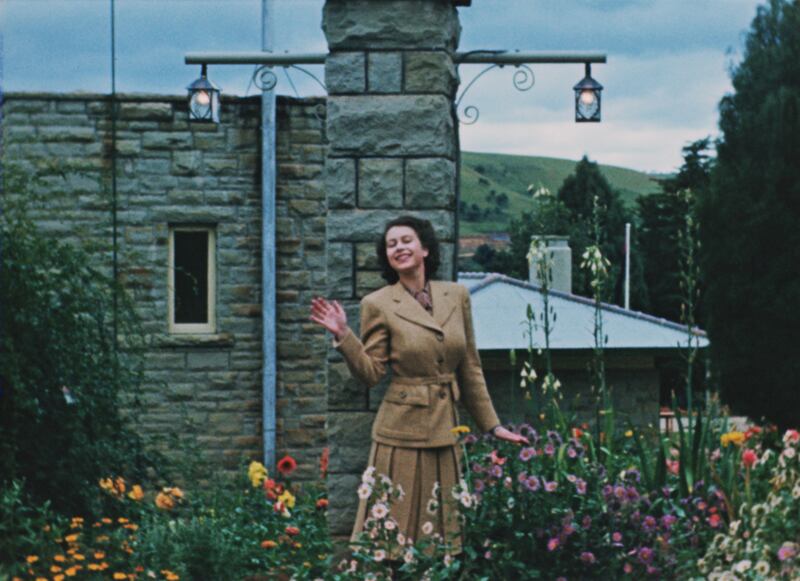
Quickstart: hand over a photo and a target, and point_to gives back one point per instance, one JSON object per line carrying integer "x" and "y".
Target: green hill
{"x": 482, "y": 173}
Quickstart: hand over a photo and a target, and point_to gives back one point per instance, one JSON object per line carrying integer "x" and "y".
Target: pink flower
{"x": 588, "y": 557}
{"x": 714, "y": 520}
{"x": 526, "y": 454}
{"x": 791, "y": 436}
{"x": 788, "y": 550}
{"x": 550, "y": 486}
{"x": 497, "y": 459}
{"x": 552, "y": 544}
{"x": 749, "y": 458}
{"x": 673, "y": 466}
{"x": 627, "y": 568}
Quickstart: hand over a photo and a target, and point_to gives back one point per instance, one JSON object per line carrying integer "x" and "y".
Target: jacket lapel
{"x": 443, "y": 303}
{"x": 411, "y": 310}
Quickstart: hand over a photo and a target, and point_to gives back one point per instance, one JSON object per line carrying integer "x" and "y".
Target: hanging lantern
{"x": 203, "y": 100}
{"x": 587, "y": 98}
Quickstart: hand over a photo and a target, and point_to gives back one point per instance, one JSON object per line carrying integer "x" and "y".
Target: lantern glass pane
{"x": 587, "y": 105}
{"x": 200, "y": 105}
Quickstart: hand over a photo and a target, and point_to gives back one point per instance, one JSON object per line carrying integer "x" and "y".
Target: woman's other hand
{"x": 329, "y": 315}
{"x": 509, "y": 436}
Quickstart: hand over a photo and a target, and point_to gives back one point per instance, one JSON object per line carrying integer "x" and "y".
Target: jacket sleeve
{"x": 475, "y": 395}
{"x": 367, "y": 358}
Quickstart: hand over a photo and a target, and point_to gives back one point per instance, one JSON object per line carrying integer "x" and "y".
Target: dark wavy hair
{"x": 427, "y": 238}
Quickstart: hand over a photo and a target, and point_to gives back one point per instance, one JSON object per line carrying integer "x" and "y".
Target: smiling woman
{"x": 422, "y": 329}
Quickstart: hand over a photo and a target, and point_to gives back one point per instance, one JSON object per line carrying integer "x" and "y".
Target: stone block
{"x": 430, "y": 183}
{"x": 367, "y": 225}
{"x": 446, "y": 258}
{"x": 340, "y": 270}
{"x": 146, "y": 111}
{"x": 345, "y": 72}
{"x": 69, "y": 134}
{"x": 390, "y": 24}
{"x": 344, "y": 501}
{"x": 344, "y": 391}
{"x": 167, "y": 140}
{"x": 127, "y": 147}
{"x": 186, "y": 163}
{"x": 366, "y": 257}
{"x": 380, "y": 183}
{"x": 391, "y": 125}
{"x": 430, "y": 72}
{"x": 340, "y": 182}
{"x": 208, "y": 360}
{"x": 368, "y": 281}
{"x": 385, "y": 72}
{"x": 220, "y": 165}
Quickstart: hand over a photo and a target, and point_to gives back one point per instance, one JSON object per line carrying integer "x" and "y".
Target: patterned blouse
{"x": 423, "y": 296}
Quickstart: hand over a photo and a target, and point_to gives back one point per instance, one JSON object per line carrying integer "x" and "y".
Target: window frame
{"x": 189, "y": 328}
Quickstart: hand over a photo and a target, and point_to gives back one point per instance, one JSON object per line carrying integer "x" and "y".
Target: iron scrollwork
{"x": 523, "y": 80}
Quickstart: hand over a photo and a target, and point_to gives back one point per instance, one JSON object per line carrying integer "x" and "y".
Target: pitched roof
{"x": 499, "y": 306}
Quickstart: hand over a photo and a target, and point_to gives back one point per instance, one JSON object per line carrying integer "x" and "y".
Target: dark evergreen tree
{"x": 661, "y": 217}
{"x": 749, "y": 224}
{"x": 577, "y": 193}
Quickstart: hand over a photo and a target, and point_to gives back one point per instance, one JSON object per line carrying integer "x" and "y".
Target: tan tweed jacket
{"x": 433, "y": 359}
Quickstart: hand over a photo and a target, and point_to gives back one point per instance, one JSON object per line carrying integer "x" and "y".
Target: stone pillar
{"x": 392, "y": 150}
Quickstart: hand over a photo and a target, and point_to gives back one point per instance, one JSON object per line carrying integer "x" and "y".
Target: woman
{"x": 423, "y": 329}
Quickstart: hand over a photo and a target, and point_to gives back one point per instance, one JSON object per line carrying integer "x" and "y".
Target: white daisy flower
{"x": 432, "y": 507}
{"x": 379, "y": 511}
{"x": 427, "y": 528}
{"x": 743, "y": 566}
{"x": 408, "y": 556}
{"x": 390, "y": 525}
{"x": 379, "y": 555}
{"x": 466, "y": 499}
{"x": 762, "y": 568}
{"x": 401, "y": 539}
{"x": 364, "y": 491}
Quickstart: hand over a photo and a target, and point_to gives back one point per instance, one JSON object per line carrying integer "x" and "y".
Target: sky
{"x": 668, "y": 63}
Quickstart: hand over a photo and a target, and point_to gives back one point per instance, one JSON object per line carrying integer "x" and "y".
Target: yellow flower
{"x": 169, "y": 575}
{"x": 107, "y": 484}
{"x": 629, "y": 434}
{"x": 94, "y": 567}
{"x": 460, "y": 430}
{"x": 136, "y": 493}
{"x": 736, "y": 438}
{"x": 257, "y": 473}
{"x": 287, "y": 498}
{"x": 78, "y": 557}
{"x": 31, "y": 559}
{"x": 120, "y": 576}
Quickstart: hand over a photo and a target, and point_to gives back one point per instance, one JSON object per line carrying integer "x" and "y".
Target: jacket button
{"x": 440, "y": 336}
{"x": 443, "y": 394}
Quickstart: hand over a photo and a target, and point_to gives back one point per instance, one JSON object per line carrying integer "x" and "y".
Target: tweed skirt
{"x": 418, "y": 471}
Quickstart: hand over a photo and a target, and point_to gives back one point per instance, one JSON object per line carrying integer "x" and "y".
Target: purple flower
{"x": 477, "y": 468}
{"x": 479, "y": 485}
{"x": 554, "y": 436}
{"x": 607, "y": 490}
{"x": 645, "y": 555}
{"x": 619, "y": 492}
{"x": 470, "y": 439}
{"x": 633, "y": 475}
{"x": 616, "y": 538}
{"x": 496, "y": 471}
{"x": 668, "y": 520}
{"x": 552, "y": 544}
{"x": 580, "y": 486}
{"x": 526, "y": 454}
{"x": 649, "y": 524}
{"x": 653, "y": 571}
{"x": 549, "y": 449}
{"x": 588, "y": 557}
{"x": 572, "y": 453}
{"x": 787, "y": 551}
{"x": 532, "y": 483}
{"x": 571, "y": 478}
{"x": 550, "y": 486}
{"x": 632, "y": 494}
{"x": 521, "y": 477}
{"x": 568, "y": 529}
{"x": 586, "y": 522}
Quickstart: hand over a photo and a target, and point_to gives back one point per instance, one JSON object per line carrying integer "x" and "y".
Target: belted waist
{"x": 416, "y": 390}
{"x": 430, "y": 380}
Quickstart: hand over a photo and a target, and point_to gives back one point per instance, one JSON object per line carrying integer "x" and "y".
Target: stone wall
{"x": 169, "y": 172}
{"x": 392, "y": 150}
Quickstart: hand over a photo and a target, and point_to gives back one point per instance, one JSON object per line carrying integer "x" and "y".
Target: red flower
{"x": 751, "y": 431}
{"x": 293, "y": 531}
{"x": 714, "y": 520}
{"x": 577, "y": 433}
{"x": 323, "y": 463}
{"x": 322, "y": 503}
{"x": 287, "y": 465}
{"x": 749, "y": 458}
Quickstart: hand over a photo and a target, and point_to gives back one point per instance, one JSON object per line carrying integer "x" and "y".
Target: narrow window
{"x": 191, "y": 280}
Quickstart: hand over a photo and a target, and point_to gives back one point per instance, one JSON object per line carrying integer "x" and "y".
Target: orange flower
{"x": 55, "y": 569}
{"x": 169, "y": 575}
{"x": 136, "y": 493}
{"x": 323, "y": 462}
{"x": 78, "y": 557}
{"x": 268, "y": 544}
{"x": 106, "y": 520}
{"x": 164, "y": 501}
{"x": 120, "y": 576}
{"x": 293, "y": 531}
{"x": 176, "y": 492}
{"x": 71, "y": 538}
{"x": 59, "y": 558}
{"x": 58, "y": 578}
{"x": 287, "y": 465}
{"x": 119, "y": 485}
{"x": 122, "y": 520}
{"x": 131, "y": 526}
{"x": 322, "y": 503}
{"x": 71, "y": 572}
{"x": 94, "y": 567}
{"x": 31, "y": 559}
{"x": 99, "y": 555}
{"x": 577, "y": 433}
{"x": 139, "y": 568}
{"x": 102, "y": 539}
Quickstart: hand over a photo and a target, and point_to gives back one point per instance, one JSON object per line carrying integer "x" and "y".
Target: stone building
{"x": 183, "y": 202}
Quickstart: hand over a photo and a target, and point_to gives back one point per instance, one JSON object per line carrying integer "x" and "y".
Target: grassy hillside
{"x": 511, "y": 174}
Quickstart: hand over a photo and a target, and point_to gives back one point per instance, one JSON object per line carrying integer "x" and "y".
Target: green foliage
{"x": 749, "y": 215}
{"x": 662, "y": 216}
{"x": 62, "y": 378}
